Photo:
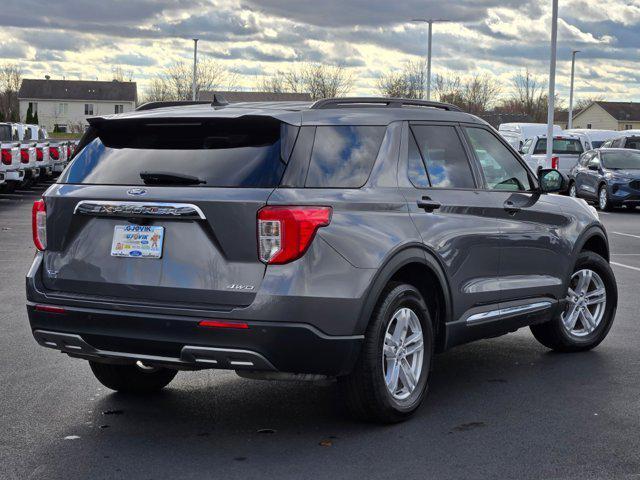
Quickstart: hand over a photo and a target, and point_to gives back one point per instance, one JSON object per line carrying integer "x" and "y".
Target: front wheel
{"x": 591, "y": 302}
{"x": 137, "y": 378}
{"x": 390, "y": 378}
{"x": 603, "y": 199}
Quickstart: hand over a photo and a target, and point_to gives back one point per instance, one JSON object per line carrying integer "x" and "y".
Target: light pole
{"x": 430, "y": 21}
{"x": 195, "y": 68}
{"x": 552, "y": 81}
{"x": 573, "y": 73}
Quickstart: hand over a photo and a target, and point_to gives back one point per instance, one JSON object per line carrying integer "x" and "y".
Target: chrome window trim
{"x": 505, "y": 312}
{"x": 109, "y": 208}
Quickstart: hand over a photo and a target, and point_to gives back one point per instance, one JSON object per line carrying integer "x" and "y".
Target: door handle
{"x": 428, "y": 205}
{"x": 511, "y": 207}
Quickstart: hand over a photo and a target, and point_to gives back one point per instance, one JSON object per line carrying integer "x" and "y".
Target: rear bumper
{"x": 58, "y": 167}
{"x": 125, "y": 337}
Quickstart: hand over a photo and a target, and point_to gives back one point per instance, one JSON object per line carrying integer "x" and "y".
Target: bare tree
{"x": 448, "y": 89}
{"x": 119, "y": 74}
{"x": 10, "y": 80}
{"x": 323, "y": 81}
{"x": 479, "y": 93}
{"x": 529, "y": 97}
{"x": 175, "y": 82}
{"x": 408, "y": 83}
{"x": 584, "y": 102}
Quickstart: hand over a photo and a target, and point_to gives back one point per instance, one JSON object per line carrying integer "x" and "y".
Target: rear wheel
{"x": 390, "y": 378}
{"x": 137, "y": 378}
{"x": 591, "y": 302}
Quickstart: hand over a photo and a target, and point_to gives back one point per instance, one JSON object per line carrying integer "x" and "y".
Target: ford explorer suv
{"x": 628, "y": 139}
{"x": 348, "y": 239}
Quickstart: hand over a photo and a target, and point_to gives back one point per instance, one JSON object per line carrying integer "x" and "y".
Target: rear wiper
{"x": 164, "y": 178}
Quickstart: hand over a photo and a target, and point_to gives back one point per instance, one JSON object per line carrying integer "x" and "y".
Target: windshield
{"x": 222, "y": 153}
{"x": 561, "y": 146}
{"x": 626, "y": 160}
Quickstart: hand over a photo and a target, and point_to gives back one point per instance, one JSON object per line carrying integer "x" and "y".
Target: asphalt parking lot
{"x": 499, "y": 408}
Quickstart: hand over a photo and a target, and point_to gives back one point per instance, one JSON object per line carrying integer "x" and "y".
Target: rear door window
{"x": 5, "y": 133}
{"x": 444, "y": 156}
{"x": 343, "y": 156}
{"x": 210, "y": 153}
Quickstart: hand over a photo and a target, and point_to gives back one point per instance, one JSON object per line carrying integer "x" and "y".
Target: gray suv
{"x": 347, "y": 239}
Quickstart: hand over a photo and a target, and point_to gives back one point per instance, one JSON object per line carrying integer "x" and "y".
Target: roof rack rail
{"x": 170, "y": 103}
{"x": 386, "y": 102}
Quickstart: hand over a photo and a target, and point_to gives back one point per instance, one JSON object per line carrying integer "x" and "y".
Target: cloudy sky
{"x": 87, "y": 39}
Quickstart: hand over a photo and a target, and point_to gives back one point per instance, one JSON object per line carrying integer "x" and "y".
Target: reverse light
{"x": 554, "y": 162}
{"x": 24, "y": 155}
{"x": 5, "y": 155}
{"x": 223, "y": 324}
{"x": 39, "y": 224}
{"x": 285, "y": 233}
{"x": 54, "y": 153}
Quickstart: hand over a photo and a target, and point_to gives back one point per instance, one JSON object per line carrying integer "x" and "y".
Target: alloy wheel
{"x": 586, "y": 303}
{"x": 602, "y": 198}
{"x": 403, "y": 353}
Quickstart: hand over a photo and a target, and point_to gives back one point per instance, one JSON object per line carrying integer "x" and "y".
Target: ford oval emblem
{"x": 136, "y": 192}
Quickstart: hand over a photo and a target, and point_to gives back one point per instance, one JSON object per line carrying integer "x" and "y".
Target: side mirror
{"x": 551, "y": 180}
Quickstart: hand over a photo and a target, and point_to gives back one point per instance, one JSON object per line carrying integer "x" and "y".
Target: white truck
{"x": 10, "y": 166}
{"x": 517, "y": 133}
{"x": 27, "y": 155}
{"x": 594, "y": 138}
{"x": 43, "y": 159}
{"x": 566, "y": 152}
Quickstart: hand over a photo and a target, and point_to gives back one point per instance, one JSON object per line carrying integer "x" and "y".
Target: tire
{"x": 573, "y": 191}
{"x": 603, "y": 201}
{"x": 365, "y": 388}
{"x": 10, "y": 187}
{"x": 131, "y": 378}
{"x": 556, "y": 335}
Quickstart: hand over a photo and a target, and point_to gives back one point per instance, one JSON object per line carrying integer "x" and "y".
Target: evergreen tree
{"x": 35, "y": 119}
{"x": 29, "y": 118}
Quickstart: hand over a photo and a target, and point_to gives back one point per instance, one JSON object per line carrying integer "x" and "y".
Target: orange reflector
{"x": 50, "y": 309}
{"x": 222, "y": 324}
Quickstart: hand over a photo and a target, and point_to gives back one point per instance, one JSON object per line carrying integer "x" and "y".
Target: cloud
{"x": 134, "y": 59}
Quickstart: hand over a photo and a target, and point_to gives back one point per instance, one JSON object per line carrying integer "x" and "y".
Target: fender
{"x": 406, "y": 254}
{"x": 590, "y": 232}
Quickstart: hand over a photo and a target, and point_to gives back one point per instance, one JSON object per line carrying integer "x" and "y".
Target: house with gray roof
{"x": 66, "y": 104}
{"x": 609, "y": 116}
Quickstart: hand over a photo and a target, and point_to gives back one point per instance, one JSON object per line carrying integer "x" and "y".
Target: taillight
{"x": 39, "y": 224}
{"x": 223, "y": 324}
{"x": 54, "y": 153}
{"x": 68, "y": 151}
{"x": 49, "y": 309}
{"x": 5, "y": 154}
{"x": 554, "y": 162}
{"x": 39, "y": 154}
{"x": 285, "y": 233}
{"x": 24, "y": 155}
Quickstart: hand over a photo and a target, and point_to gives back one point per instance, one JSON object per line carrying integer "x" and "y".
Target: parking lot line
{"x": 625, "y": 266}
{"x": 627, "y": 234}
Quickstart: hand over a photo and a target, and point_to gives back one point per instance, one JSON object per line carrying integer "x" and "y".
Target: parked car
{"x": 593, "y": 138}
{"x": 626, "y": 139}
{"x": 59, "y": 153}
{"x": 517, "y": 133}
{"x": 28, "y": 158}
{"x": 296, "y": 241}
{"x": 43, "y": 159}
{"x": 608, "y": 176}
{"x": 10, "y": 165}
{"x": 566, "y": 151}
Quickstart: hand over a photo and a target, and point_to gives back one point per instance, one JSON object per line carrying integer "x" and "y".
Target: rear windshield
{"x": 247, "y": 152}
{"x": 5, "y": 133}
{"x": 623, "y": 160}
{"x": 566, "y": 146}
